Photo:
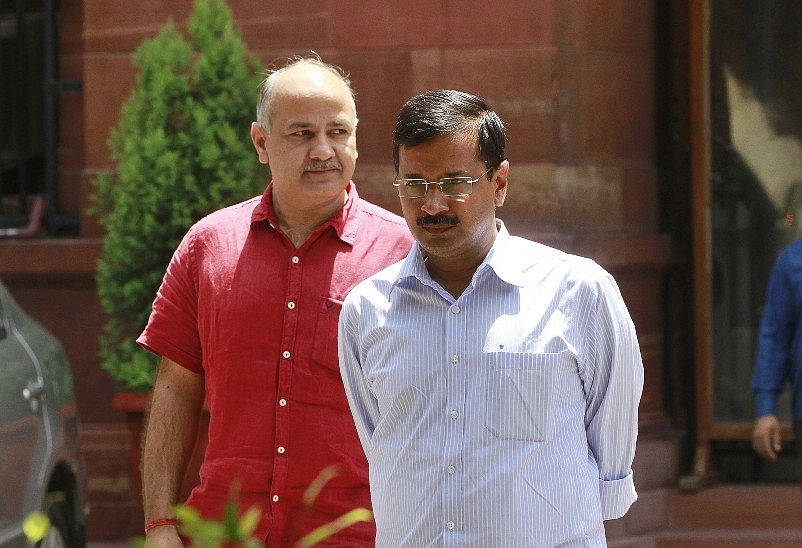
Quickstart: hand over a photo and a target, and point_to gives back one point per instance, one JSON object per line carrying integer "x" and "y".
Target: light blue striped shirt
{"x": 504, "y": 418}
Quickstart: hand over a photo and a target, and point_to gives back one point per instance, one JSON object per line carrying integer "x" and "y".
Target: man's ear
{"x": 259, "y": 136}
{"x": 500, "y": 180}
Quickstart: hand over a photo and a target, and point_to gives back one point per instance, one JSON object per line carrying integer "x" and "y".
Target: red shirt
{"x": 258, "y": 317}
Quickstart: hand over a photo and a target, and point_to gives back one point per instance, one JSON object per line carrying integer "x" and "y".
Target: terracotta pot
{"x": 134, "y": 406}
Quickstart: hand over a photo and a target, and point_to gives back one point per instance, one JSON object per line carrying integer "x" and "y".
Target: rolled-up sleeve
{"x": 614, "y": 384}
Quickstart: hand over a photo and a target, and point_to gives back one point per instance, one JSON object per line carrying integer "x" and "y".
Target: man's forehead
{"x": 314, "y": 107}
{"x": 312, "y": 82}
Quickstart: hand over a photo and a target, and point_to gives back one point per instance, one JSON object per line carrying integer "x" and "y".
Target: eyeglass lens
{"x": 449, "y": 186}
{"x": 417, "y": 188}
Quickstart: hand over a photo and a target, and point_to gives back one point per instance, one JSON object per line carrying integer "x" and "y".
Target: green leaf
{"x": 325, "y": 531}
{"x": 248, "y": 522}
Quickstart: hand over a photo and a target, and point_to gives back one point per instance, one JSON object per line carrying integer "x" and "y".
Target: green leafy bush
{"x": 182, "y": 150}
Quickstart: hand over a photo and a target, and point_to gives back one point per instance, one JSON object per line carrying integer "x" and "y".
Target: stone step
{"x": 738, "y": 506}
{"x": 721, "y": 516}
{"x": 762, "y": 537}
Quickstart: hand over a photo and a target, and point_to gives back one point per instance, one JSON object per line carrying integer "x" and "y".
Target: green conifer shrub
{"x": 182, "y": 150}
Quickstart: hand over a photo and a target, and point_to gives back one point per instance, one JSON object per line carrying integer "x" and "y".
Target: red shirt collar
{"x": 344, "y": 222}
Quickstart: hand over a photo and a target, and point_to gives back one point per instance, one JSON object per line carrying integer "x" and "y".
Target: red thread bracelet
{"x": 159, "y": 522}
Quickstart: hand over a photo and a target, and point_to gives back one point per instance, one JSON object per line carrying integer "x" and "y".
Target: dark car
{"x": 40, "y": 463}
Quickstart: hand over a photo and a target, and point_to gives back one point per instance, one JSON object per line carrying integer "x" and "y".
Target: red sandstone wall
{"x": 572, "y": 79}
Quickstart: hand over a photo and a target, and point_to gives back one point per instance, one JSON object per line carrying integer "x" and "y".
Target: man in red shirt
{"x": 246, "y": 319}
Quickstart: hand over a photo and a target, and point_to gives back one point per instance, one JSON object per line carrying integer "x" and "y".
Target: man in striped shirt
{"x": 494, "y": 381}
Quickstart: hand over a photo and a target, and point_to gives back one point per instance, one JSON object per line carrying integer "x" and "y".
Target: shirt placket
{"x": 455, "y": 427}
{"x": 289, "y": 328}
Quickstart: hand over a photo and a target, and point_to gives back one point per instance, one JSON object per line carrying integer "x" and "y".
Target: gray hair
{"x": 264, "y": 103}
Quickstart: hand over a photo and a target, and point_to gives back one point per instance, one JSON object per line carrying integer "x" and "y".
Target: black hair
{"x": 446, "y": 111}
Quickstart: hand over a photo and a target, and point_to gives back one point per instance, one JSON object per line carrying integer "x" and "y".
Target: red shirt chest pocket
{"x": 324, "y": 346}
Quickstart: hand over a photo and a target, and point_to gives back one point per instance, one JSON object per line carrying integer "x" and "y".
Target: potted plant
{"x": 181, "y": 151}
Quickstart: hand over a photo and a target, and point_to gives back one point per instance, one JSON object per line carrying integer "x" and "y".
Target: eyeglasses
{"x": 450, "y": 186}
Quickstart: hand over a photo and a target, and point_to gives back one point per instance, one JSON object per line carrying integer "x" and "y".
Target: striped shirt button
{"x": 451, "y": 469}
{"x": 454, "y": 359}
{"x": 454, "y": 414}
{"x": 450, "y": 525}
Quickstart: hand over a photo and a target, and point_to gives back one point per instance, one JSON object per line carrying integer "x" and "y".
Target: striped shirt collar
{"x": 503, "y": 264}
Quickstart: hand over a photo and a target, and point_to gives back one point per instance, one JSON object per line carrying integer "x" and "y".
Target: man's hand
{"x": 766, "y": 437}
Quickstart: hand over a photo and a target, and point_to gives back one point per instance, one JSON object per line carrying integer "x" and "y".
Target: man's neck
{"x": 453, "y": 278}
{"x": 300, "y": 223}
{"x": 455, "y": 273}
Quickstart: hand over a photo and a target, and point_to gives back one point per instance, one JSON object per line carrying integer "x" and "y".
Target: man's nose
{"x": 321, "y": 148}
{"x": 434, "y": 202}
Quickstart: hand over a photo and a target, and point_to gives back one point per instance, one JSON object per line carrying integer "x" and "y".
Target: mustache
{"x": 318, "y": 165}
{"x": 441, "y": 219}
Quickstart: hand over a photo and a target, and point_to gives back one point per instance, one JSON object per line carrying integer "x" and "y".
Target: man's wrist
{"x": 159, "y": 523}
